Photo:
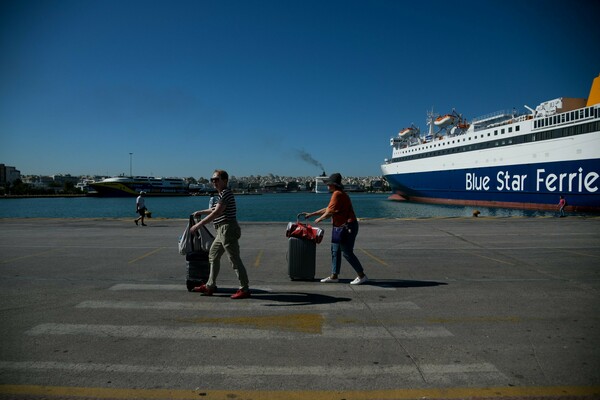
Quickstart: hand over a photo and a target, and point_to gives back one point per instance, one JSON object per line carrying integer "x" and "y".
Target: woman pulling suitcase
{"x": 345, "y": 229}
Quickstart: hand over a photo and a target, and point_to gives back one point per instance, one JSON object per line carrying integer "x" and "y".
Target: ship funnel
{"x": 594, "y": 97}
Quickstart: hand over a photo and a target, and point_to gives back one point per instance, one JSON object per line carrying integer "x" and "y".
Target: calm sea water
{"x": 266, "y": 207}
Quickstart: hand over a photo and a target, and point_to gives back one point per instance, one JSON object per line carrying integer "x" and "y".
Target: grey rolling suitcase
{"x": 196, "y": 259}
{"x": 302, "y": 255}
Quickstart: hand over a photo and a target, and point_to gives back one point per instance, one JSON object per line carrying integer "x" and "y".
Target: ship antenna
{"x": 430, "y": 120}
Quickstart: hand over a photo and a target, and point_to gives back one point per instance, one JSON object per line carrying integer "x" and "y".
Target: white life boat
{"x": 444, "y": 120}
{"x": 406, "y": 132}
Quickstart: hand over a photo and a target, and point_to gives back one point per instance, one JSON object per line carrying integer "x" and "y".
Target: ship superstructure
{"x": 505, "y": 159}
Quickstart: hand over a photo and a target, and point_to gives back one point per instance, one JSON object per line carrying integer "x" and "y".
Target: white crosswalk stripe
{"x": 212, "y": 332}
{"x": 229, "y": 306}
{"x": 431, "y": 372}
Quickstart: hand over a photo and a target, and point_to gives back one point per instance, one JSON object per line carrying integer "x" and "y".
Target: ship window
{"x": 489, "y": 134}
{"x": 510, "y": 129}
{"x": 517, "y": 128}
{"x": 502, "y": 131}
{"x": 586, "y": 112}
{"x": 495, "y": 133}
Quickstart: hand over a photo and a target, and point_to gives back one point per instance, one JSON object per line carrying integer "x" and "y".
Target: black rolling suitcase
{"x": 196, "y": 257}
{"x": 302, "y": 250}
{"x": 198, "y": 269}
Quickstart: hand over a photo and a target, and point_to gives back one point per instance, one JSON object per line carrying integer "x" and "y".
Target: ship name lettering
{"x": 509, "y": 182}
{"x": 474, "y": 182}
{"x": 567, "y": 182}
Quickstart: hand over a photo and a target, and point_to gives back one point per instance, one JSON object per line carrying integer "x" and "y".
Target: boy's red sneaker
{"x": 241, "y": 294}
{"x": 205, "y": 290}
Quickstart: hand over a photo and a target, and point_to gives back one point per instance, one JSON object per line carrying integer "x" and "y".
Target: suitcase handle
{"x": 301, "y": 215}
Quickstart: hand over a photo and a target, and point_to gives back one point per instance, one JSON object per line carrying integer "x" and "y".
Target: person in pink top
{"x": 561, "y": 206}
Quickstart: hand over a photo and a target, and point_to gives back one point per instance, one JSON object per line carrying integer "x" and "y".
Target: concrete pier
{"x": 455, "y": 308}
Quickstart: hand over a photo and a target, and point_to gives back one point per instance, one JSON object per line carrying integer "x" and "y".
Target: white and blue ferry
{"x": 505, "y": 159}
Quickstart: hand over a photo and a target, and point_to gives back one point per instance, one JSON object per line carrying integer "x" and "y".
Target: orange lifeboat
{"x": 444, "y": 120}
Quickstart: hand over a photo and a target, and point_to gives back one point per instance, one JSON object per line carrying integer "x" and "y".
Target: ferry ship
{"x": 320, "y": 185}
{"x": 504, "y": 159}
{"x": 121, "y": 186}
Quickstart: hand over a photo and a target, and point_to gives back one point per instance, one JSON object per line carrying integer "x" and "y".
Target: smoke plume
{"x": 309, "y": 159}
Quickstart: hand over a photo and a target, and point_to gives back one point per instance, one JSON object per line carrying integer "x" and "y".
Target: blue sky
{"x": 250, "y": 86}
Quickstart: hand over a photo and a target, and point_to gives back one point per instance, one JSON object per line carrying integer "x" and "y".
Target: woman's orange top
{"x": 341, "y": 207}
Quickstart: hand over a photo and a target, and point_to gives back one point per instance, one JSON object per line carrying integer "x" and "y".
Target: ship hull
{"x": 524, "y": 186}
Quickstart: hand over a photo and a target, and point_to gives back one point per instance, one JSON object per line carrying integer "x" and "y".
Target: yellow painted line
{"x": 379, "y": 260}
{"x": 487, "y": 258}
{"x": 145, "y": 255}
{"x": 397, "y": 394}
{"x": 258, "y": 258}
{"x": 28, "y": 256}
{"x": 307, "y": 323}
{"x": 581, "y": 254}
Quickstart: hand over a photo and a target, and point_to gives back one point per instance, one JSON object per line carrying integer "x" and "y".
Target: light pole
{"x": 130, "y": 164}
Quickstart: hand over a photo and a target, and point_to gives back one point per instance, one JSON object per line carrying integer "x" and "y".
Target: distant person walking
{"x": 140, "y": 208}
{"x": 224, "y": 217}
{"x": 562, "y": 203}
{"x": 341, "y": 212}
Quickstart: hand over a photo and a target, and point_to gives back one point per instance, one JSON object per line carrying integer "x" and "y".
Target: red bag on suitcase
{"x": 304, "y": 231}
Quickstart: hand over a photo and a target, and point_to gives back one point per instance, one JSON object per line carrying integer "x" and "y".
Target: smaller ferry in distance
{"x": 123, "y": 186}
{"x": 505, "y": 159}
{"x": 320, "y": 185}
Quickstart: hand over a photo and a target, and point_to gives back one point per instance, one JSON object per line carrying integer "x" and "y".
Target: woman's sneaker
{"x": 329, "y": 280}
{"x": 359, "y": 281}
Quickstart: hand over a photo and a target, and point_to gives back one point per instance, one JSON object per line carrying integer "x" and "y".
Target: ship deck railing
{"x": 493, "y": 116}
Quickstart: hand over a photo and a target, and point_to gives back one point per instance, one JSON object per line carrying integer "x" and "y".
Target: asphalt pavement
{"x": 454, "y": 308}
